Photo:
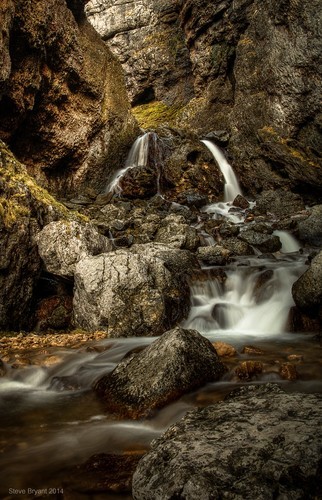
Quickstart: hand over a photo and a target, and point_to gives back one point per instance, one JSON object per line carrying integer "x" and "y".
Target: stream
{"x": 50, "y": 419}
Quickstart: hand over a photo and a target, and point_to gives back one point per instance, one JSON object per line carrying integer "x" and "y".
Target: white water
{"x": 249, "y": 302}
{"x": 137, "y": 157}
{"x": 231, "y": 188}
{"x": 289, "y": 243}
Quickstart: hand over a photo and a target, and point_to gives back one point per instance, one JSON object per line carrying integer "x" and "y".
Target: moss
{"x": 156, "y": 113}
{"x": 20, "y": 192}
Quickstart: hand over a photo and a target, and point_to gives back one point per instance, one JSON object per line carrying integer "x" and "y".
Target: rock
{"x": 3, "y": 370}
{"x": 73, "y": 125}
{"x": 147, "y": 39}
{"x": 174, "y": 232}
{"x": 247, "y": 370}
{"x": 281, "y": 203}
{"x": 213, "y": 255}
{"x": 128, "y": 294}
{"x": 241, "y": 202}
{"x": 62, "y": 244}
{"x": 298, "y": 321}
{"x": 224, "y": 350}
{"x": 266, "y": 243}
{"x": 24, "y": 209}
{"x": 252, "y": 350}
{"x": 54, "y": 313}
{"x": 178, "y": 362}
{"x": 310, "y": 229}
{"x": 237, "y": 247}
{"x": 307, "y": 290}
{"x": 259, "y": 443}
{"x": 288, "y": 371}
{"x": 179, "y": 262}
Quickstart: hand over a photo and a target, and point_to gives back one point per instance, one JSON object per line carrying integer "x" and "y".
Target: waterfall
{"x": 232, "y": 188}
{"x": 252, "y": 303}
{"x": 137, "y": 157}
{"x": 289, "y": 243}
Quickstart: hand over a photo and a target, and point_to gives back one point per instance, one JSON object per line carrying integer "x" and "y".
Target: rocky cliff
{"x": 252, "y": 69}
{"x": 64, "y": 109}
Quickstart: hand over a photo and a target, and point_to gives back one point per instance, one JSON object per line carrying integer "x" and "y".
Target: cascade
{"x": 137, "y": 157}
{"x": 231, "y": 189}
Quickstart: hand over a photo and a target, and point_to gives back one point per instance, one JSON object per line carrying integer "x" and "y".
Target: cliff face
{"x": 148, "y": 41}
{"x": 255, "y": 70}
{"x": 64, "y": 109}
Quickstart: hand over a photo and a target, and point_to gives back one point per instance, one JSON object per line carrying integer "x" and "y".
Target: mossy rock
{"x": 156, "y": 113}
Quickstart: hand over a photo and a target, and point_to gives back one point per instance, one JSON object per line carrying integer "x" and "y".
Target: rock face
{"x": 310, "y": 230}
{"x": 248, "y": 69}
{"x": 64, "y": 109}
{"x": 307, "y": 290}
{"x": 259, "y": 443}
{"x": 128, "y": 294}
{"x": 147, "y": 39}
{"x": 62, "y": 244}
{"x": 24, "y": 209}
{"x": 178, "y": 362}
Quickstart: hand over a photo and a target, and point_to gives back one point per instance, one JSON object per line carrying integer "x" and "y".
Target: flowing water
{"x": 137, "y": 157}
{"x": 49, "y": 417}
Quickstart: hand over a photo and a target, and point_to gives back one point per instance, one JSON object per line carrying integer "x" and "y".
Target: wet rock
{"x": 251, "y": 350}
{"x": 288, "y": 371}
{"x": 128, "y": 294}
{"x": 298, "y": 321}
{"x": 264, "y": 242}
{"x": 262, "y": 290}
{"x": 62, "y": 244}
{"x": 226, "y": 315}
{"x": 213, "y": 255}
{"x": 224, "y": 350}
{"x": 307, "y": 290}
{"x": 245, "y": 447}
{"x": 178, "y": 362}
{"x": 247, "y": 370}
{"x": 227, "y": 230}
{"x": 279, "y": 202}
{"x": 310, "y": 229}
{"x": 241, "y": 202}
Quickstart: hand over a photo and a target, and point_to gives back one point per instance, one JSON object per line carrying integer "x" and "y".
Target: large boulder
{"x": 64, "y": 109}
{"x": 128, "y": 294}
{"x": 310, "y": 229}
{"x": 307, "y": 290}
{"x": 259, "y": 443}
{"x": 280, "y": 203}
{"x": 178, "y": 362}
{"x": 265, "y": 243}
{"x": 62, "y": 244}
{"x": 24, "y": 209}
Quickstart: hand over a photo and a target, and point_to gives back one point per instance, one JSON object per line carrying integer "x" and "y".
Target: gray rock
{"x": 178, "y": 362}
{"x": 180, "y": 262}
{"x": 307, "y": 290}
{"x": 264, "y": 242}
{"x": 62, "y": 244}
{"x": 310, "y": 230}
{"x": 279, "y": 202}
{"x": 213, "y": 255}
{"x": 174, "y": 232}
{"x": 237, "y": 247}
{"x": 128, "y": 294}
{"x": 261, "y": 443}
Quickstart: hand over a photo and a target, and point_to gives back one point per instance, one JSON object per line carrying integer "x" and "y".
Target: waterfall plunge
{"x": 232, "y": 188}
{"x": 137, "y": 157}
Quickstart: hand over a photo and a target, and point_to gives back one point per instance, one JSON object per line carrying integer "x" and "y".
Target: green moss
{"x": 156, "y": 113}
{"x": 20, "y": 192}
